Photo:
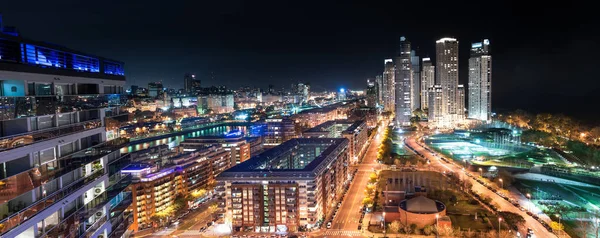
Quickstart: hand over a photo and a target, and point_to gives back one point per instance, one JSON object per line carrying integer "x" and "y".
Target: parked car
{"x": 328, "y": 225}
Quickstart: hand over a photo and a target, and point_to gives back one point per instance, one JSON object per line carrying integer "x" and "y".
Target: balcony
{"x": 28, "y": 138}
{"x": 35, "y": 208}
{"x": 120, "y": 224}
{"x": 30, "y": 106}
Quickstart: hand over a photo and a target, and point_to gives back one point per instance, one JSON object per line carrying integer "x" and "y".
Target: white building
{"x": 447, "y": 75}
{"x": 480, "y": 81}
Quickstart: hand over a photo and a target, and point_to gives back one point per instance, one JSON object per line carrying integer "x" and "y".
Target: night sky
{"x": 545, "y": 56}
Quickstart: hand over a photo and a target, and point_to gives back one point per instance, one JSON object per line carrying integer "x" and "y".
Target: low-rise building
{"x": 355, "y": 131}
{"x": 236, "y": 144}
{"x": 286, "y": 188}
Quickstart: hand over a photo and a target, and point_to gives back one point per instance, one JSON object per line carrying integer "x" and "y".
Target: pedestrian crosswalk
{"x": 341, "y": 233}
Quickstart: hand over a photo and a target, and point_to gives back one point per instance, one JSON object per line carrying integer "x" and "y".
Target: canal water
{"x": 174, "y": 141}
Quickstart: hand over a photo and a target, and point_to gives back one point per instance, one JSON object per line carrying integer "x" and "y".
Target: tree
{"x": 512, "y": 219}
{"x": 557, "y": 226}
{"x": 367, "y": 201}
{"x": 213, "y": 208}
{"x": 427, "y": 230}
{"x": 373, "y": 177}
{"x": 394, "y": 227}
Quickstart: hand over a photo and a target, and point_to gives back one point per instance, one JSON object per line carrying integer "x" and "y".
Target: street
{"x": 504, "y": 205}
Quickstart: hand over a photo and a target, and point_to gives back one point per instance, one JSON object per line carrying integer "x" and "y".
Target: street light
{"x": 499, "y": 220}
{"x": 559, "y": 224}
{"x": 529, "y": 203}
{"x": 480, "y": 172}
{"x": 502, "y": 183}
{"x": 384, "y": 228}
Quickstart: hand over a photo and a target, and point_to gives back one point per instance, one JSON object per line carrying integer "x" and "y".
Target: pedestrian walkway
{"x": 342, "y": 233}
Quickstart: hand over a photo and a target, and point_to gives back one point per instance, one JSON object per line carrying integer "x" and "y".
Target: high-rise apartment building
{"x": 59, "y": 173}
{"x": 379, "y": 83}
{"x": 447, "y": 76}
{"x": 415, "y": 83}
{"x": 460, "y": 101}
{"x": 480, "y": 81}
{"x": 371, "y": 93}
{"x": 435, "y": 95}
{"x": 388, "y": 82}
{"x": 427, "y": 81}
{"x": 403, "y": 85}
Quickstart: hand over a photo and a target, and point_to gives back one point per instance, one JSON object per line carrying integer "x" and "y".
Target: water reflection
{"x": 175, "y": 140}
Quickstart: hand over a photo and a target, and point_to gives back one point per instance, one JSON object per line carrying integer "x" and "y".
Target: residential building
{"x": 427, "y": 81}
{"x": 435, "y": 114}
{"x": 155, "y": 187}
{"x": 216, "y": 102}
{"x": 460, "y": 101}
{"x": 59, "y": 173}
{"x": 415, "y": 82}
{"x": 355, "y": 131}
{"x": 287, "y": 188}
{"x": 279, "y": 130}
{"x": 371, "y": 93}
{"x": 403, "y": 80}
{"x": 379, "y": 85}
{"x": 447, "y": 76}
{"x": 235, "y": 143}
{"x": 480, "y": 81}
{"x": 388, "y": 88}
{"x": 313, "y": 117}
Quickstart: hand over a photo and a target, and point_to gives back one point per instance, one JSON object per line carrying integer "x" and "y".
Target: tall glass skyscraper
{"x": 480, "y": 81}
{"x": 403, "y": 84}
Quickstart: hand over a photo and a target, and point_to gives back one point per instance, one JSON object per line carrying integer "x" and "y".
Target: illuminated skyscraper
{"x": 403, "y": 85}
{"x": 415, "y": 82}
{"x": 371, "y": 93}
{"x": 447, "y": 75}
{"x": 480, "y": 81}
{"x": 379, "y": 83}
{"x": 427, "y": 81}
{"x": 388, "y": 85}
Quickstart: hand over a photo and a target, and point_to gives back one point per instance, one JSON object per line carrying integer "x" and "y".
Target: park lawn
{"x": 469, "y": 222}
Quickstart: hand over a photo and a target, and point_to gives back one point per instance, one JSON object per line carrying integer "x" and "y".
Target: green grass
{"x": 466, "y": 222}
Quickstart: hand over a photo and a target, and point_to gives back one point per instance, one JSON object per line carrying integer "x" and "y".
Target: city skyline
{"x": 526, "y": 50}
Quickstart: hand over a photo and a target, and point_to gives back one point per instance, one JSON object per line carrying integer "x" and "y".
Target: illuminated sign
{"x": 476, "y": 45}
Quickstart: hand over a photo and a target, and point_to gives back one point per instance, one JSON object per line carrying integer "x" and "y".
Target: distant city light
{"x": 342, "y": 90}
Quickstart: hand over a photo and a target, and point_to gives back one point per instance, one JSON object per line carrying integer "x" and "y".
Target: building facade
{"x": 403, "y": 80}
{"x": 355, "y": 131}
{"x": 447, "y": 76}
{"x": 415, "y": 83}
{"x": 216, "y": 102}
{"x": 435, "y": 115}
{"x": 154, "y": 190}
{"x": 480, "y": 81}
{"x": 427, "y": 81}
{"x": 279, "y": 130}
{"x": 289, "y": 187}
{"x": 388, "y": 89}
{"x": 236, "y": 145}
{"x": 59, "y": 173}
{"x": 371, "y": 93}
